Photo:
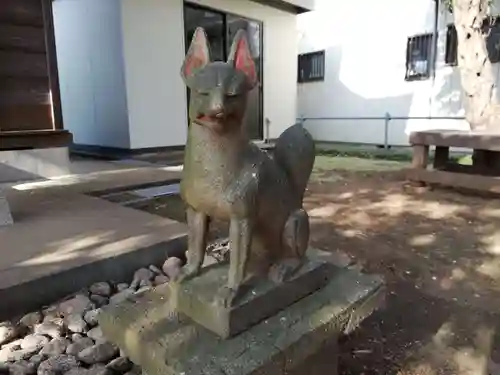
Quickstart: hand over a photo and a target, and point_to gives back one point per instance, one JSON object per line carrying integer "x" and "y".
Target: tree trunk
{"x": 478, "y": 80}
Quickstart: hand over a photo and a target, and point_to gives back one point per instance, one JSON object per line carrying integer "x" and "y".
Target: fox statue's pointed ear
{"x": 241, "y": 57}
{"x": 198, "y": 54}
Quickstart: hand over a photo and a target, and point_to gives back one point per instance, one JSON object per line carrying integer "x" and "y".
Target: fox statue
{"x": 226, "y": 176}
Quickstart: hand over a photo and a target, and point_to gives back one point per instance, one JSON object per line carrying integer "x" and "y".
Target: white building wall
{"x": 153, "y": 39}
{"x": 365, "y": 44}
{"x": 91, "y": 74}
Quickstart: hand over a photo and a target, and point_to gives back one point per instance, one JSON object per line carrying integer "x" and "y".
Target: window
{"x": 418, "y": 54}
{"x": 450, "y": 57}
{"x": 493, "y": 39}
{"x": 312, "y": 67}
{"x": 491, "y": 30}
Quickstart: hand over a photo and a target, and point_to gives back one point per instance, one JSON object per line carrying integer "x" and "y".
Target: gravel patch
{"x": 65, "y": 337}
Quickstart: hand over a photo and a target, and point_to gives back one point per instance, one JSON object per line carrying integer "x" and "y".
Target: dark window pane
{"x": 212, "y": 22}
{"x": 253, "y": 117}
{"x": 311, "y": 67}
{"x": 451, "y": 45}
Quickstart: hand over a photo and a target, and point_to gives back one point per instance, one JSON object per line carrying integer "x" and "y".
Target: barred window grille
{"x": 312, "y": 67}
{"x": 450, "y": 57}
{"x": 418, "y": 55}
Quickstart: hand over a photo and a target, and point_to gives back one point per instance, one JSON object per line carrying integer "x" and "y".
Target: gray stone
{"x": 50, "y": 329}
{"x": 121, "y": 287}
{"x": 37, "y": 359}
{"x": 76, "y": 336}
{"x": 22, "y": 368}
{"x": 195, "y": 297}
{"x": 155, "y": 269}
{"x": 78, "y": 346}
{"x": 96, "y": 334}
{"x": 99, "y": 370}
{"x": 31, "y": 319}
{"x": 141, "y": 276}
{"x": 121, "y": 296}
{"x": 136, "y": 370}
{"x": 8, "y": 355}
{"x": 98, "y": 300}
{"x": 101, "y": 289}
{"x": 172, "y": 267}
{"x": 55, "y": 347}
{"x": 94, "y": 370}
{"x": 57, "y": 365}
{"x": 91, "y": 317}
{"x": 155, "y": 337}
{"x": 34, "y": 342}
{"x": 77, "y": 371}
{"x": 76, "y": 324}
{"x": 101, "y": 352}
{"x": 5, "y": 355}
{"x": 160, "y": 280}
{"x": 50, "y": 313}
{"x": 76, "y": 305}
{"x": 144, "y": 283}
{"x": 143, "y": 289}
{"x": 8, "y": 332}
{"x": 120, "y": 365}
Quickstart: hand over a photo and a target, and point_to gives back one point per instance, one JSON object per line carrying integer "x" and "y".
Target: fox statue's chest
{"x": 205, "y": 192}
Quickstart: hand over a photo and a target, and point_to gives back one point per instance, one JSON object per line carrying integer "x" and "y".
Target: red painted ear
{"x": 241, "y": 57}
{"x": 198, "y": 54}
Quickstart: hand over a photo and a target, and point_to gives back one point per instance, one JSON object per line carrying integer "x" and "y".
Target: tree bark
{"x": 478, "y": 80}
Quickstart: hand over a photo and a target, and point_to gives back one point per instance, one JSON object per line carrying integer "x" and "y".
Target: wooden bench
{"x": 484, "y": 173}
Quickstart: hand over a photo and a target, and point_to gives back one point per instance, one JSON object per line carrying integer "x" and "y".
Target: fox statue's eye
{"x": 203, "y": 93}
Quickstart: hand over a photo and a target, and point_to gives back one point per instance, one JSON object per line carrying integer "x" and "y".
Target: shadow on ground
{"x": 440, "y": 254}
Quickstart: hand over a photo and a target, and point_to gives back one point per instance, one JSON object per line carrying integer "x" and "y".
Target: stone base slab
{"x": 150, "y": 332}
{"x": 197, "y": 298}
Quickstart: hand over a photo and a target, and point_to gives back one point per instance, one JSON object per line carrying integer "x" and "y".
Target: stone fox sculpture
{"x": 228, "y": 177}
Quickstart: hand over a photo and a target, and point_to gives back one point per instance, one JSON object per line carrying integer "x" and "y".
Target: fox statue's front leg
{"x": 240, "y": 242}
{"x": 197, "y": 243}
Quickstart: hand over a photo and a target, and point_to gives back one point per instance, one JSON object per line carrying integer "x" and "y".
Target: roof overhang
{"x": 291, "y": 6}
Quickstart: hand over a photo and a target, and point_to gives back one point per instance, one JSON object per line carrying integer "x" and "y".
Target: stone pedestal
{"x": 5, "y": 215}
{"x": 197, "y": 298}
{"x": 150, "y": 330}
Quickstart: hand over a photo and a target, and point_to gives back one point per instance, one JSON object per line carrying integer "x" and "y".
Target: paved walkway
{"x": 63, "y": 239}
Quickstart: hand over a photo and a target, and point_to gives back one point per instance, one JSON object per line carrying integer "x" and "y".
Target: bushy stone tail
{"x": 295, "y": 153}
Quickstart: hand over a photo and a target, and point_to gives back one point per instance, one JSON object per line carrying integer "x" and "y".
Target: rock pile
{"x": 65, "y": 338}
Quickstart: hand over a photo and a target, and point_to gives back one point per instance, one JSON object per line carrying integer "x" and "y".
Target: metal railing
{"x": 387, "y": 119}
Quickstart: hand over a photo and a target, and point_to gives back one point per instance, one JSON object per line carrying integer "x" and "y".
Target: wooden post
{"x": 441, "y": 157}
{"x": 5, "y": 215}
{"x": 50, "y": 43}
{"x": 420, "y": 156}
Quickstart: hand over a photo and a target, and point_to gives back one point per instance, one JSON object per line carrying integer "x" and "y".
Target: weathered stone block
{"x": 197, "y": 298}
{"x": 148, "y": 329}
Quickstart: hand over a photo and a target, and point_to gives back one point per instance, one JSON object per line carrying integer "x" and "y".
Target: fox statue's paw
{"x": 284, "y": 270}
{"x": 186, "y": 273}
{"x": 226, "y": 296}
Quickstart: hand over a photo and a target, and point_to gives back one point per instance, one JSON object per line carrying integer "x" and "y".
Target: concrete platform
{"x": 63, "y": 241}
{"x": 149, "y": 330}
{"x": 123, "y": 178}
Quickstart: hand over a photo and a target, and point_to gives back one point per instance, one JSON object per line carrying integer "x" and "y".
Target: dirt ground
{"x": 439, "y": 252}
